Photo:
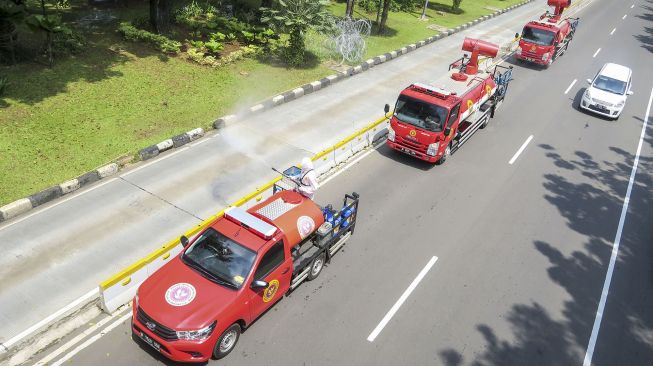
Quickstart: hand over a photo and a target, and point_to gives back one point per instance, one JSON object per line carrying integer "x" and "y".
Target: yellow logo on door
{"x": 270, "y": 291}
{"x": 412, "y": 133}
{"x": 488, "y": 90}
{"x": 470, "y": 104}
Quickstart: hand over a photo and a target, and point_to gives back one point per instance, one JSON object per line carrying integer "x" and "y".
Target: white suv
{"x": 608, "y": 91}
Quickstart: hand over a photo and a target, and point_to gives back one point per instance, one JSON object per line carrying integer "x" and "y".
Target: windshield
{"x": 219, "y": 259}
{"x": 420, "y": 114}
{"x": 610, "y": 85}
{"x": 538, "y": 36}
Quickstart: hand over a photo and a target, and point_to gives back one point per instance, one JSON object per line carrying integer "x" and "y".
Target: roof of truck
{"x": 455, "y": 89}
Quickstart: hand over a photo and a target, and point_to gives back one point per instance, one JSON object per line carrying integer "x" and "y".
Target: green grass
{"x": 118, "y": 97}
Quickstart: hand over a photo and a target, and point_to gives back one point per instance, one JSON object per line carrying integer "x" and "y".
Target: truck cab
{"x": 543, "y": 40}
{"x": 195, "y": 307}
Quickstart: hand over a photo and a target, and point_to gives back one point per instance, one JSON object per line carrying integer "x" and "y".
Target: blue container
{"x": 336, "y": 224}
{"x": 346, "y": 216}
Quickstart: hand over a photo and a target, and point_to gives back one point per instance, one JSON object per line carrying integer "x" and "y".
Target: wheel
{"x": 446, "y": 154}
{"x": 227, "y": 341}
{"x": 316, "y": 267}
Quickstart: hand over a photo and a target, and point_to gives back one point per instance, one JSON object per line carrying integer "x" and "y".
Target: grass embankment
{"x": 118, "y": 97}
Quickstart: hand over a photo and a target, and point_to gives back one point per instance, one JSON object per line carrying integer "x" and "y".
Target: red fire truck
{"x": 432, "y": 120}
{"x": 195, "y": 306}
{"x": 544, "y": 40}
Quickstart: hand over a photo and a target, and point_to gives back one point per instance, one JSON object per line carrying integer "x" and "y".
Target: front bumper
{"x": 179, "y": 350}
{"x": 412, "y": 152}
{"x": 598, "y": 108}
{"x": 534, "y": 59}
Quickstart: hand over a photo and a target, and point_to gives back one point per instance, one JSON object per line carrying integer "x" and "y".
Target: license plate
{"x": 529, "y": 59}
{"x": 408, "y": 151}
{"x": 150, "y": 341}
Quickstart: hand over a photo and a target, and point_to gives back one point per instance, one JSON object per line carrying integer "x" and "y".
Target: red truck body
{"x": 432, "y": 120}
{"x": 232, "y": 272}
{"x": 544, "y": 40}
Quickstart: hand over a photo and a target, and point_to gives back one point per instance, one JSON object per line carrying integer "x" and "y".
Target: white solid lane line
{"x": 156, "y": 161}
{"x": 79, "y": 337}
{"x": 625, "y": 15}
{"x": 596, "y": 53}
{"x": 613, "y": 30}
{"x": 521, "y": 149}
{"x": 570, "y": 86}
{"x": 50, "y": 318}
{"x": 92, "y": 340}
{"x": 615, "y": 246}
{"x": 401, "y": 300}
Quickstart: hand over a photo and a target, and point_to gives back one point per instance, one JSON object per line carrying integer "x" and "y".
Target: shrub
{"x": 69, "y": 41}
{"x": 160, "y": 42}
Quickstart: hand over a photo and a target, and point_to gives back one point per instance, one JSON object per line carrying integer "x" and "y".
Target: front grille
{"x": 159, "y": 329}
{"x": 529, "y": 54}
{"x": 411, "y": 144}
{"x": 599, "y": 101}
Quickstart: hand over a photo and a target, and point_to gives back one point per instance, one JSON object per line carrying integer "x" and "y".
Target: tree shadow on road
{"x": 591, "y": 205}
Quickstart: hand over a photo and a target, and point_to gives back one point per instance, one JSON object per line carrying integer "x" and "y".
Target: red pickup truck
{"x": 195, "y": 307}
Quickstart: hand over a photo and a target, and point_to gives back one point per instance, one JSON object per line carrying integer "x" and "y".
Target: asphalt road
{"x": 102, "y": 229}
{"x": 522, "y": 248}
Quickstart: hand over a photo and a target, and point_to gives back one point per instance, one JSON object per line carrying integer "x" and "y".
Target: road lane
{"x": 106, "y": 229}
{"x": 523, "y": 249}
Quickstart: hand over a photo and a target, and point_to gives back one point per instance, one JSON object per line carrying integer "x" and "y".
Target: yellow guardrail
{"x": 124, "y": 276}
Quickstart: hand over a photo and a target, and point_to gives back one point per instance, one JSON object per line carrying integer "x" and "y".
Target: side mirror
{"x": 589, "y": 81}
{"x": 447, "y": 131}
{"x": 516, "y": 35}
{"x": 386, "y": 109}
{"x": 630, "y": 92}
{"x": 184, "y": 241}
{"x": 258, "y": 285}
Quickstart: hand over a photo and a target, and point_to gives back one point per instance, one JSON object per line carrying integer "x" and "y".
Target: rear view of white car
{"x": 608, "y": 91}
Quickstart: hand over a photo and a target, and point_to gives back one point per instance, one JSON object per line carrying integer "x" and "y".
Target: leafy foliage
{"x": 160, "y": 42}
{"x": 295, "y": 17}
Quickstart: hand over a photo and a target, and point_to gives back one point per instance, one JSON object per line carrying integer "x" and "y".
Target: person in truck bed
{"x": 308, "y": 184}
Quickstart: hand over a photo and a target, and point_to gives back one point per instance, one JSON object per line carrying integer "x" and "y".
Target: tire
{"x": 316, "y": 266}
{"x": 227, "y": 341}
{"x": 447, "y": 153}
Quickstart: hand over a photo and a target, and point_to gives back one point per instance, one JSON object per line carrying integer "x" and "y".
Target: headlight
{"x": 518, "y": 51}
{"x": 621, "y": 104}
{"x": 391, "y": 134}
{"x": 545, "y": 56}
{"x": 136, "y": 299}
{"x": 433, "y": 148}
{"x": 587, "y": 95}
{"x": 196, "y": 335}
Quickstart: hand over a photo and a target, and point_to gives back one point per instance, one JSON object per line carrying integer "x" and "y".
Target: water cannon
{"x": 478, "y": 48}
{"x": 559, "y": 6}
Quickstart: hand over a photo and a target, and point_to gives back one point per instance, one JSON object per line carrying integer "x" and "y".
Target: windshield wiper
{"x": 210, "y": 276}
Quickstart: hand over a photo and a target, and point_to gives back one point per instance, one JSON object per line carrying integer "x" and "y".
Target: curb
{"x": 24, "y": 205}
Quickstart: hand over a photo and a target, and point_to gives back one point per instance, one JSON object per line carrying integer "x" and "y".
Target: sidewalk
{"x": 63, "y": 250}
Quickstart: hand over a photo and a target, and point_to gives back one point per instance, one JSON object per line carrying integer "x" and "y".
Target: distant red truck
{"x": 195, "y": 306}
{"x": 544, "y": 40}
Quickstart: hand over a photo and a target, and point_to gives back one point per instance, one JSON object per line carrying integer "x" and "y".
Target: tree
{"x": 456, "y": 5}
{"x": 160, "y": 15}
{"x": 384, "y": 15}
{"x": 11, "y": 11}
{"x": 349, "y": 12}
{"x": 426, "y": 5}
{"x": 295, "y": 17}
